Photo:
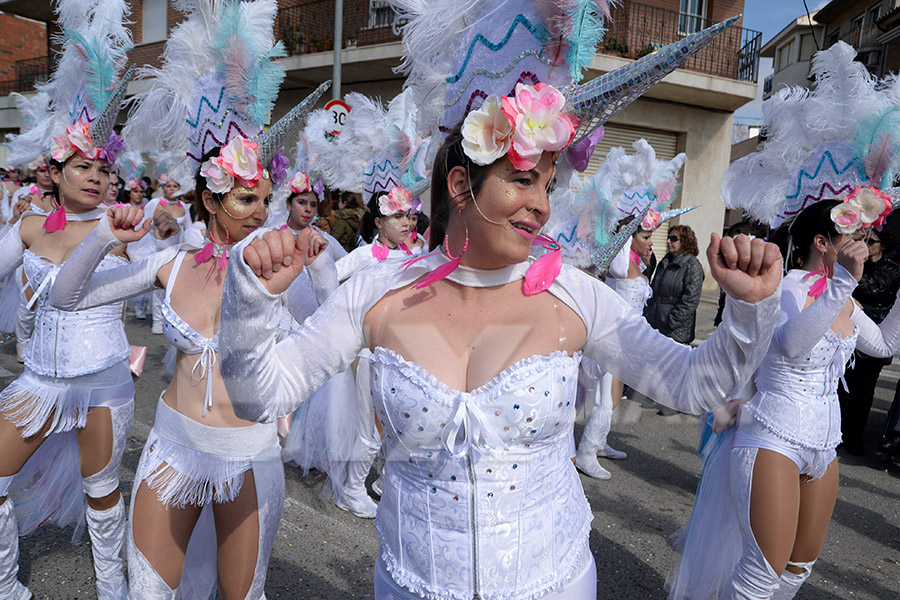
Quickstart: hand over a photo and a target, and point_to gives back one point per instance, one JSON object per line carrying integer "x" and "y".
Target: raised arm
{"x": 78, "y": 287}
{"x": 264, "y": 380}
{"x": 692, "y": 380}
{"x": 881, "y": 340}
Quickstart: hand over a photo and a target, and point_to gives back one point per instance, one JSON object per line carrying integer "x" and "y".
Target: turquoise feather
{"x": 100, "y": 66}
{"x": 263, "y": 82}
{"x": 586, "y": 33}
{"x": 876, "y": 143}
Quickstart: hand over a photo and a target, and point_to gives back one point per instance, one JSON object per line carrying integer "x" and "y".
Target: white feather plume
{"x": 35, "y": 138}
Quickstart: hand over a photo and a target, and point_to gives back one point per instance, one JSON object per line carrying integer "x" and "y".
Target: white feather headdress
{"x": 821, "y": 143}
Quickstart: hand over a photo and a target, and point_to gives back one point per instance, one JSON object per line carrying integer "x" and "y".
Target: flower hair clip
{"x": 133, "y": 184}
{"x": 866, "y": 206}
{"x": 522, "y": 126}
{"x": 651, "y": 220}
{"x": 395, "y": 202}
{"x": 300, "y": 183}
{"x": 237, "y": 163}
{"x": 77, "y": 140}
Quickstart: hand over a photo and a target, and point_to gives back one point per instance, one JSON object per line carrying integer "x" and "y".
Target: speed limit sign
{"x": 338, "y": 110}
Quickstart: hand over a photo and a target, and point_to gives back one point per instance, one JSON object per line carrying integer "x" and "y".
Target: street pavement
{"x": 324, "y": 553}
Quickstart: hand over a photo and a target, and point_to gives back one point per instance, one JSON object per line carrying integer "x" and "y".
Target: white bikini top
{"x": 186, "y": 339}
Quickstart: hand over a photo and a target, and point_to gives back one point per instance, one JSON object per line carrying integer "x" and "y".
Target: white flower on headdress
{"x": 300, "y": 183}
{"x": 540, "y": 125}
{"x": 872, "y": 203}
{"x": 218, "y": 179}
{"x": 77, "y": 138}
{"x": 395, "y": 202}
{"x": 846, "y": 217}
{"x": 240, "y": 159}
{"x": 487, "y": 132}
{"x": 132, "y": 184}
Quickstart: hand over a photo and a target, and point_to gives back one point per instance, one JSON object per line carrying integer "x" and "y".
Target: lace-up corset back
{"x": 70, "y": 344}
{"x": 480, "y": 491}
{"x": 797, "y": 397}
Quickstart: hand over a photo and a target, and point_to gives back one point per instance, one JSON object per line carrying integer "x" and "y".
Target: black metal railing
{"x": 309, "y": 27}
{"x": 639, "y": 29}
{"x": 767, "y": 84}
{"x": 635, "y": 31}
{"x": 29, "y": 72}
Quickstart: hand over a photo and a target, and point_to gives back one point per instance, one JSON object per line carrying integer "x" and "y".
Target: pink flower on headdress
{"x": 77, "y": 138}
{"x": 395, "y": 202}
{"x": 651, "y": 220}
{"x": 540, "y": 125}
{"x": 132, "y": 184}
{"x": 300, "y": 183}
{"x": 239, "y": 158}
{"x": 487, "y": 132}
{"x": 872, "y": 204}
{"x": 218, "y": 179}
{"x": 846, "y": 217}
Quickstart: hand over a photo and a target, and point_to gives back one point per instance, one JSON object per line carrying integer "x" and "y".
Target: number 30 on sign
{"x": 338, "y": 110}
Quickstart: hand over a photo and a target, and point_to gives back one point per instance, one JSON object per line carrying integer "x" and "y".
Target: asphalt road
{"x": 324, "y": 553}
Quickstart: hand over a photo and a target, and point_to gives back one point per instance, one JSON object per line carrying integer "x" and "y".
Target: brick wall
{"x": 22, "y": 39}
{"x": 149, "y": 54}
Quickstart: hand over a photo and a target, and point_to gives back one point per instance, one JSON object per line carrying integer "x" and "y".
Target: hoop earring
{"x": 445, "y": 269}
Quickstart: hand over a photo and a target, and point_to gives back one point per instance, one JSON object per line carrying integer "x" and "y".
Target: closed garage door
{"x": 664, "y": 142}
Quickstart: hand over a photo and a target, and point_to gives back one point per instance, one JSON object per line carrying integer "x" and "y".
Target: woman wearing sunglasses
{"x": 677, "y": 284}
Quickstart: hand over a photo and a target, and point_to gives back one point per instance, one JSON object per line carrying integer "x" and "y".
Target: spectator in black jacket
{"x": 677, "y": 284}
{"x": 876, "y": 292}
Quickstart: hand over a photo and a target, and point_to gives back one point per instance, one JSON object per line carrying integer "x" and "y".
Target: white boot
{"x": 790, "y": 582}
{"x": 354, "y": 498}
{"x": 107, "y": 531}
{"x": 586, "y": 461}
{"x": 10, "y": 587}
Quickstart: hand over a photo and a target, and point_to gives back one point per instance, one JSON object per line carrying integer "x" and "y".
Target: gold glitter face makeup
{"x": 241, "y": 202}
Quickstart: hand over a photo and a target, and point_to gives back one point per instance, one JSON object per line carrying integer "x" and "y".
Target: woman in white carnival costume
{"x": 770, "y": 483}
{"x": 625, "y": 188}
{"x": 74, "y": 402}
{"x": 475, "y": 348}
{"x": 204, "y": 471}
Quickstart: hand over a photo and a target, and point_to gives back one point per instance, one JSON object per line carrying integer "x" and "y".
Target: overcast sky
{"x": 769, "y": 17}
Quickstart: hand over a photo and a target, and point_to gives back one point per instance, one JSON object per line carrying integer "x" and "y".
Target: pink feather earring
{"x": 445, "y": 269}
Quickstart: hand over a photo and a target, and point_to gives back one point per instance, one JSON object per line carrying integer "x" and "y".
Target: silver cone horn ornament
{"x": 675, "y": 212}
{"x": 419, "y": 187}
{"x": 102, "y": 126}
{"x": 269, "y": 142}
{"x": 602, "y": 257}
{"x": 598, "y": 100}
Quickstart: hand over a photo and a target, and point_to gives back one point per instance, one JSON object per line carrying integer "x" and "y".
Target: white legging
{"x": 583, "y": 586}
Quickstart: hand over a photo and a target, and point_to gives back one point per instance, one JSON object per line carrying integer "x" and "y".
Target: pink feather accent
{"x": 204, "y": 255}
{"x": 379, "y": 251}
{"x": 56, "y": 220}
{"x": 405, "y": 248}
{"x": 236, "y": 69}
{"x": 544, "y": 271}
{"x": 635, "y": 258}
{"x": 818, "y": 288}
{"x": 880, "y": 159}
{"x": 440, "y": 273}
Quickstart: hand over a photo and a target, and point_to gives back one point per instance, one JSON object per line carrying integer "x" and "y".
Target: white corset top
{"x": 186, "y": 339}
{"x": 635, "y": 291}
{"x": 71, "y": 344}
{"x": 480, "y": 492}
{"x": 797, "y": 397}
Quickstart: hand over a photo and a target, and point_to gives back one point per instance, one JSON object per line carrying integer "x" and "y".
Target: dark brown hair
{"x": 795, "y": 236}
{"x": 687, "y": 237}
{"x": 449, "y": 156}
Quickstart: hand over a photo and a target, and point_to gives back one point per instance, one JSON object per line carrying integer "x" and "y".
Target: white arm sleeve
{"x": 798, "y": 329}
{"x": 78, "y": 287}
{"x": 323, "y": 277}
{"x": 11, "y": 250}
{"x": 692, "y": 380}
{"x": 618, "y": 268}
{"x": 882, "y": 340}
{"x": 265, "y": 381}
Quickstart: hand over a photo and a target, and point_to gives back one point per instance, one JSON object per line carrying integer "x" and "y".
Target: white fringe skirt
{"x": 187, "y": 463}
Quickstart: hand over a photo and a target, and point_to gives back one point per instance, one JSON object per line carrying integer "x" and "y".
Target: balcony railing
{"x": 28, "y": 73}
{"x": 636, "y": 30}
{"x": 767, "y": 84}
{"x": 309, "y": 27}
{"x": 639, "y": 29}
